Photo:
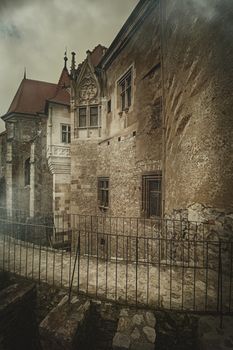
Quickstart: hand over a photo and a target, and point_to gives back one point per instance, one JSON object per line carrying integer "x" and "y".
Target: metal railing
{"x": 165, "y": 264}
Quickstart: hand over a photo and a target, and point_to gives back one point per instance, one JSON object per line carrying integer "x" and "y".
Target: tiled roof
{"x": 61, "y": 94}
{"x": 31, "y": 96}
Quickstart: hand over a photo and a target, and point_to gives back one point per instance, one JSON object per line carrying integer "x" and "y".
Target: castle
{"x": 141, "y": 129}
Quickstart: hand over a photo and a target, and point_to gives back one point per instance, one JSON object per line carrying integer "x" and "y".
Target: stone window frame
{"x": 103, "y": 191}
{"x": 147, "y": 179}
{"x": 65, "y": 133}
{"x": 123, "y": 80}
{"x": 88, "y": 123}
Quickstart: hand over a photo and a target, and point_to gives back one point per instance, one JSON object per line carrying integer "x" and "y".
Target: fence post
{"x": 220, "y": 302}
{"x": 77, "y": 257}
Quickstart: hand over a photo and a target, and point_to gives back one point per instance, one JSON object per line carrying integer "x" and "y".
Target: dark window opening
{"x": 103, "y": 192}
{"x": 126, "y": 90}
{"x": 65, "y": 133}
{"x": 27, "y": 172}
{"x": 82, "y": 117}
{"x": 93, "y": 116}
{"x": 109, "y": 106}
{"x": 152, "y": 195}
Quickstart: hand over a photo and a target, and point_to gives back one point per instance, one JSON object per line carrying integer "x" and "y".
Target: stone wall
{"x": 29, "y": 141}
{"x": 131, "y": 140}
{"x": 83, "y": 176}
{"x": 198, "y": 82}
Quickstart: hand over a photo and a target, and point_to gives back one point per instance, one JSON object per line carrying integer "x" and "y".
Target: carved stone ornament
{"x": 88, "y": 89}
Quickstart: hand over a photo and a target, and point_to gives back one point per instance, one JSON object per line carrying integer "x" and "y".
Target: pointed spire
{"x": 65, "y": 59}
{"x": 25, "y": 73}
{"x": 73, "y": 63}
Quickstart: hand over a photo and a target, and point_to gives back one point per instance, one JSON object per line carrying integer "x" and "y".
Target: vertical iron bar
{"x": 33, "y": 252}
{"x": 182, "y": 288}
{"x": 54, "y": 266}
{"x": 194, "y": 275}
{"x": 170, "y": 274}
{"x": 39, "y": 256}
{"x": 79, "y": 257}
{"x": 88, "y": 257}
{"x": 206, "y": 276}
{"x": 97, "y": 263}
{"x": 230, "y": 289}
{"x": 159, "y": 271}
{"x": 126, "y": 275}
{"x": 136, "y": 291}
{"x": 148, "y": 273}
{"x": 116, "y": 268}
{"x": 106, "y": 275}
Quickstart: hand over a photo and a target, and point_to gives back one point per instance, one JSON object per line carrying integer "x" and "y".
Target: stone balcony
{"x": 59, "y": 159}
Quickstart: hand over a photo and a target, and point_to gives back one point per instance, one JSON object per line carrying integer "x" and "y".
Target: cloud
{"x": 35, "y": 33}
{"x": 9, "y": 30}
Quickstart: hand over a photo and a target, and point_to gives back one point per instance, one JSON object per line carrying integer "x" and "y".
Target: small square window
{"x": 65, "y": 133}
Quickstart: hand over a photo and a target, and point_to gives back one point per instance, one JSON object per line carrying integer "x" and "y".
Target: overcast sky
{"x": 35, "y": 33}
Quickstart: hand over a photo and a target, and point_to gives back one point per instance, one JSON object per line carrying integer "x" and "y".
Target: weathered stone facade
{"x": 198, "y": 103}
{"x": 128, "y": 143}
{"x": 158, "y": 102}
{"x": 35, "y": 158}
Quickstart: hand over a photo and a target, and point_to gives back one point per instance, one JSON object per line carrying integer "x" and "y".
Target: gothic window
{"x": 27, "y": 172}
{"x": 65, "y": 133}
{"x": 94, "y": 116}
{"x": 82, "y": 117}
{"x": 125, "y": 90}
{"x": 103, "y": 192}
{"x": 152, "y": 195}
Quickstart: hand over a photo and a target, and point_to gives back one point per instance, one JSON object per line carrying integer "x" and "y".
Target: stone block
{"x": 121, "y": 341}
{"x": 65, "y": 326}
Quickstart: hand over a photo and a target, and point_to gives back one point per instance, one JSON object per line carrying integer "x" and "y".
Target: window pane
{"x": 129, "y": 96}
{"x": 82, "y": 111}
{"x": 152, "y": 195}
{"x": 94, "y": 116}
{"x": 64, "y": 137}
{"x": 94, "y": 110}
{"x": 103, "y": 193}
{"x": 123, "y": 101}
{"x": 128, "y": 81}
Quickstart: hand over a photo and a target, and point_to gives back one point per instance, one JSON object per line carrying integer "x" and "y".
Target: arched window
{"x": 27, "y": 172}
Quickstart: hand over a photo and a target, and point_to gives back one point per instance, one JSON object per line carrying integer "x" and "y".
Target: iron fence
{"x": 166, "y": 264}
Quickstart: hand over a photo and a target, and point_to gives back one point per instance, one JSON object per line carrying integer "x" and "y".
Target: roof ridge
{"x": 40, "y": 81}
{"x": 19, "y": 93}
